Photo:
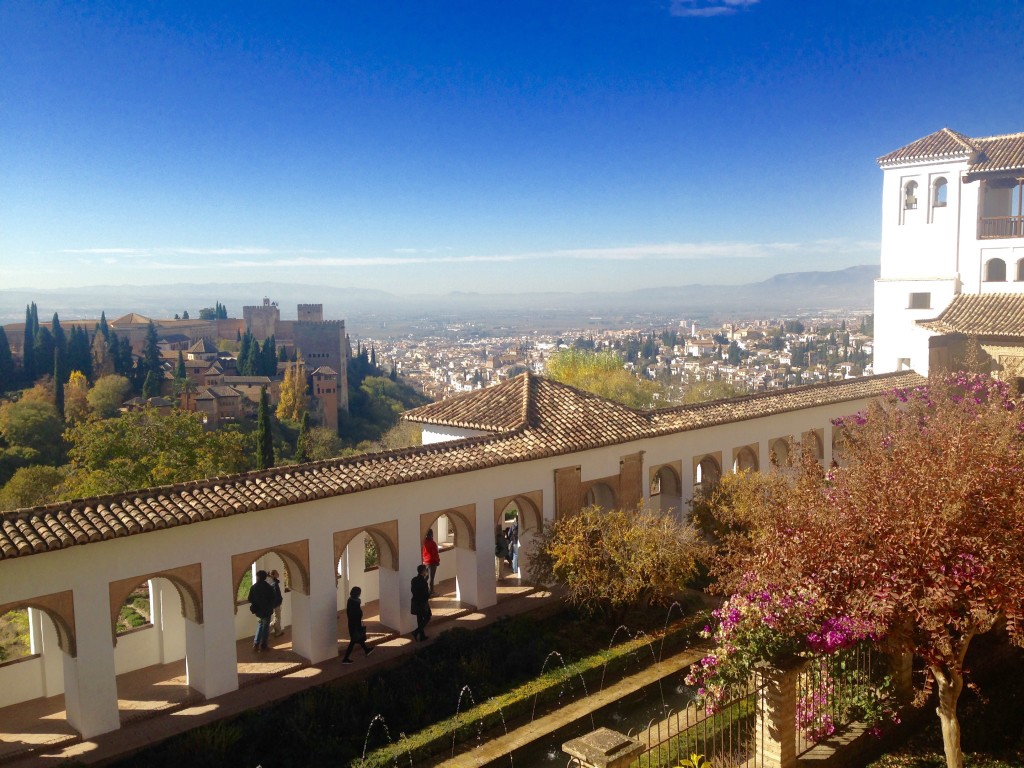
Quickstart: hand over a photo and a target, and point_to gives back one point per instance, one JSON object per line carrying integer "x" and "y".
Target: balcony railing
{"x": 1001, "y": 226}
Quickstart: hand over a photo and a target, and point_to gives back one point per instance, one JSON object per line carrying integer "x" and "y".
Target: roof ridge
{"x": 1018, "y": 134}
{"x": 967, "y": 141}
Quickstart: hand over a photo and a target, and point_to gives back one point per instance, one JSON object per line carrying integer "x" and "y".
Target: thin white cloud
{"x": 708, "y": 8}
{"x": 405, "y": 257}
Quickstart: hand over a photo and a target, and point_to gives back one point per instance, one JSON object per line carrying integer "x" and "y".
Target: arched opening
{"x": 601, "y": 495}
{"x": 37, "y": 644}
{"x": 812, "y": 442}
{"x": 292, "y": 577}
{"x": 368, "y": 558}
{"x": 910, "y": 196}
{"x": 939, "y": 190}
{"x": 666, "y": 491}
{"x": 1020, "y": 270}
{"x": 779, "y": 452}
{"x": 149, "y": 618}
{"x": 707, "y": 475}
{"x": 995, "y": 271}
{"x": 746, "y": 460}
{"x": 454, "y": 532}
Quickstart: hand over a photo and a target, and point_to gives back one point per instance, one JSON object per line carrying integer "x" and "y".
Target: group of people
{"x": 507, "y": 545}
{"x": 265, "y": 600}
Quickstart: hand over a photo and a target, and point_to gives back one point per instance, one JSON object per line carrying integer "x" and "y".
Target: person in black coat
{"x": 420, "y": 607}
{"x": 356, "y": 630}
{"x": 261, "y": 605}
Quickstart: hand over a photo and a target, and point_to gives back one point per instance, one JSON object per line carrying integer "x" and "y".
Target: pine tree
{"x": 264, "y": 436}
{"x": 184, "y": 315}
{"x": 58, "y": 383}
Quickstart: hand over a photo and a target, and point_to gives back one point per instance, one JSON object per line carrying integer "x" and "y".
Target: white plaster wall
{"x": 21, "y": 680}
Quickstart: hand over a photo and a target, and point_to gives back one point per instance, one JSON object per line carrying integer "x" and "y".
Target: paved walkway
{"x": 155, "y": 703}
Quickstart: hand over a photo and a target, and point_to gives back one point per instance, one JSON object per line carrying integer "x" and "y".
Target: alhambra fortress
{"x": 952, "y": 284}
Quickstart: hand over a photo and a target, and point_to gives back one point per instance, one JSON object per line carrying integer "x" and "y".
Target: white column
{"x": 482, "y": 561}
{"x": 315, "y": 616}
{"x": 210, "y": 658}
{"x": 44, "y": 642}
{"x": 90, "y": 683}
{"x": 395, "y": 599}
{"x": 468, "y": 577}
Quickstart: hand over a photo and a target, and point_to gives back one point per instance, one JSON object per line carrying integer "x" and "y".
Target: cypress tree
{"x": 243, "y": 353}
{"x": 43, "y": 349}
{"x": 58, "y": 383}
{"x": 268, "y": 358}
{"x": 151, "y": 386}
{"x": 6, "y": 363}
{"x": 252, "y": 359}
{"x": 103, "y": 327}
{"x": 302, "y": 443}
{"x": 28, "y": 357}
{"x": 60, "y": 343}
{"x": 264, "y": 436}
{"x": 151, "y": 363}
{"x": 179, "y": 371}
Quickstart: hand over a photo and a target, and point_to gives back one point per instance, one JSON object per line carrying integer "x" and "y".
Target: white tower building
{"x": 952, "y": 253}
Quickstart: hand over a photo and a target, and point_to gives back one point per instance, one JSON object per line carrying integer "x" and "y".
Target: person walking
{"x": 431, "y": 557}
{"x": 261, "y": 605}
{"x": 276, "y": 629}
{"x": 420, "y": 607}
{"x": 356, "y": 630}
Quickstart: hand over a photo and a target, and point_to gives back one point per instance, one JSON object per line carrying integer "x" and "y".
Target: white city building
{"x": 952, "y": 254}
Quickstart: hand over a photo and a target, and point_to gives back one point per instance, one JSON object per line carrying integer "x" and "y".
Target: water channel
{"x": 631, "y": 714}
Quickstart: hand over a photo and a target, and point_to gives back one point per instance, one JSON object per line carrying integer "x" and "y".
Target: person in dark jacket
{"x": 420, "y": 607}
{"x": 356, "y": 630}
{"x": 261, "y": 604}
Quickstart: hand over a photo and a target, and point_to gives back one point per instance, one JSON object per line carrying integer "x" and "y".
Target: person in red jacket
{"x": 431, "y": 557}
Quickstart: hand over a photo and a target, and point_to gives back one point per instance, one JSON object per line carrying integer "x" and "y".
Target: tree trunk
{"x": 950, "y": 683}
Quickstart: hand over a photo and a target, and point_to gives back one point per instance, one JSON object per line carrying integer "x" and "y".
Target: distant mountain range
{"x": 367, "y": 312}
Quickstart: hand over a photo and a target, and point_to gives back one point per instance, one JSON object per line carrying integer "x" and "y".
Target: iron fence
{"x": 727, "y": 737}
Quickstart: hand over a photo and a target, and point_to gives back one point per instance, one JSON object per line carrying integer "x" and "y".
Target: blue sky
{"x": 474, "y": 146}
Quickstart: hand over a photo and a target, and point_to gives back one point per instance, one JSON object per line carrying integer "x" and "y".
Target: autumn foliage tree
{"x": 916, "y": 540}
{"x": 612, "y": 560}
{"x": 603, "y": 374}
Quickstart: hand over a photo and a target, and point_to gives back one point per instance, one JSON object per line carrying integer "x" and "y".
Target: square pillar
{"x": 211, "y": 663}
{"x": 90, "y": 681}
{"x": 395, "y": 600}
{"x": 775, "y": 729}
{"x": 314, "y": 617}
{"x": 469, "y": 581}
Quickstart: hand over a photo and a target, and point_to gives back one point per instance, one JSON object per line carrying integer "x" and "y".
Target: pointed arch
{"x": 530, "y": 505}
{"x": 187, "y": 581}
{"x": 463, "y": 519}
{"x": 384, "y": 535}
{"x": 60, "y": 607}
{"x": 294, "y": 555}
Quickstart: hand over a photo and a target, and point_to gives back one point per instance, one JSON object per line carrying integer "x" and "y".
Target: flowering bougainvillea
{"x": 914, "y": 537}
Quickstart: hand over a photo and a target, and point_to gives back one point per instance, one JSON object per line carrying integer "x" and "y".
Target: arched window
{"x": 910, "y": 196}
{"x": 939, "y": 193}
{"x": 1020, "y": 269}
{"x": 995, "y": 271}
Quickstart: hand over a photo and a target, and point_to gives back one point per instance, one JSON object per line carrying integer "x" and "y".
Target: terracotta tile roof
{"x": 531, "y": 418}
{"x": 1000, "y": 153}
{"x": 993, "y": 314}
{"x": 983, "y": 155}
{"x": 944, "y": 143}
